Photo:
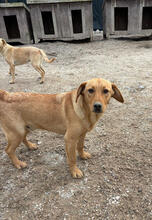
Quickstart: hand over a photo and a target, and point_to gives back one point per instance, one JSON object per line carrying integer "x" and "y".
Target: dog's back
{"x": 44, "y": 111}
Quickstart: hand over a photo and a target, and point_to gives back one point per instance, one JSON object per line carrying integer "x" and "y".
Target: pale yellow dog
{"x": 72, "y": 114}
{"x": 20, "y": 55}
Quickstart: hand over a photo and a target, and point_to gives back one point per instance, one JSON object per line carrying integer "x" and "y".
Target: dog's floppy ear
{"x": 117, "y": 94}
{"x": 80, "y": 90}
{"x": 3, "y": 41}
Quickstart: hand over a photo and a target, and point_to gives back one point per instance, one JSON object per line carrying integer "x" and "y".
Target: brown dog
{"x": 20, "y": 55}
{"x": 72, "y": 114}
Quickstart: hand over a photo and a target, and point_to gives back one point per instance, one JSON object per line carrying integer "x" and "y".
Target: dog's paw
{"x": 32, "y": 146}
{"x": 41, "y": 82}
{"x": 11, "y": 82}
{"x": 76, "y": 173}
{"x": 85, "y": 155}
{"x": 20, "y": 164}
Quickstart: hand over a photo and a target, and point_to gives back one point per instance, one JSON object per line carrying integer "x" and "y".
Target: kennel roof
{"x": 54, "y": 1}
{"x": 14, "y": 4}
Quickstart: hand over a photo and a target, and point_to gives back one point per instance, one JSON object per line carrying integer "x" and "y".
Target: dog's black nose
{"x": 97, "y": 107}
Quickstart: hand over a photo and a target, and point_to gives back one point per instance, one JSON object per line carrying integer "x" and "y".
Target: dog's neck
{"x": 78, "y": 107}
{"x": 1, "y": 49}
{"x": 4, "y": 49}
{"x": 91, "y": 116}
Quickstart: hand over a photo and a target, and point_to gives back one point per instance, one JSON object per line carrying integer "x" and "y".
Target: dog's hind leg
{"x": 14, "y": 131}
{"x": 29, "y": 144}
{"x": 14, "y": 139}
{"x": 36, "y": 62}
{"x": 42, "y": 74}
{"x": 41, "y": 71}
{"x": 83, "y": 154}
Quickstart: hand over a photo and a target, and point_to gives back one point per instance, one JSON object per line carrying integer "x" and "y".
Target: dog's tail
{"x": 46, "y": 58}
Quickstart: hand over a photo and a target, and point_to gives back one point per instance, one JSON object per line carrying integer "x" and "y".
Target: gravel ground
{"x": 117, "y": 182}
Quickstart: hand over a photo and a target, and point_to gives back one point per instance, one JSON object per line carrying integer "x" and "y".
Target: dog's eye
{"x": 91, "y": 90}
{"x": 105, "y": 91}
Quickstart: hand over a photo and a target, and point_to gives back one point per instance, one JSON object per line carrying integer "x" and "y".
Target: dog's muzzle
{"x": 97, "y": 107}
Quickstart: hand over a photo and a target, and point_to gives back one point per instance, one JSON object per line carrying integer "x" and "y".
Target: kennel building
{"x": 61, "y": 19}
{"x": 127, "y": 17}
{"x": 15, "y": 24}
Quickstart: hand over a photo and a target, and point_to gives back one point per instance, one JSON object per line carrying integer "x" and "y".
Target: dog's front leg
{"x": 12, "y": 71}
{"x": 71, "y": 146}
{"x": 80, "y": 147}
{"x": 9, "y": 71}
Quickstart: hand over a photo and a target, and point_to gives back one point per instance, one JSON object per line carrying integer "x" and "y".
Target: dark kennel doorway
{"x": 77, "y": 21}
{"x": 12, "y": 28}
{"x": 121, "y": 18}
{"x": 147, "y": 18}
{"x": 47, "y": 22}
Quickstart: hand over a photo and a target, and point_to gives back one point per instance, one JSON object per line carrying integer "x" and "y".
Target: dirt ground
{"x": 117, "y": 182}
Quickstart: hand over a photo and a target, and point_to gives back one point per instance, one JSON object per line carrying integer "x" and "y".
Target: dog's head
{"x": 96, "y": 94}
{"x": 2, "y": 43}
